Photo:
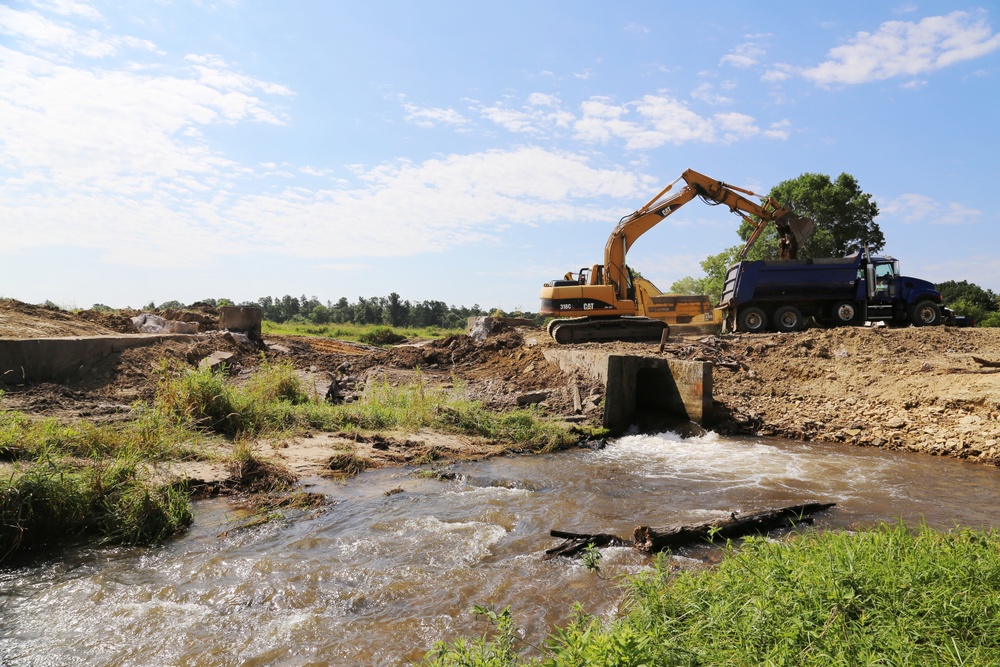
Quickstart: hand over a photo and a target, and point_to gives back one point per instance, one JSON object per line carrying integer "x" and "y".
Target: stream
{"x": 377, "y": 579}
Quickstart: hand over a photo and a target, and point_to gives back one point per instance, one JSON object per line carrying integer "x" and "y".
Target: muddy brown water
{"x": 378, "y": 579}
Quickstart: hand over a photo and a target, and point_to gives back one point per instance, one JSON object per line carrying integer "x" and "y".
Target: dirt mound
{"x": 24, "y": 320}
{"x": 914, "y": 388}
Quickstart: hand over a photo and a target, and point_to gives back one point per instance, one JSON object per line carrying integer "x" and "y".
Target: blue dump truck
{"x": 781, "y": 295}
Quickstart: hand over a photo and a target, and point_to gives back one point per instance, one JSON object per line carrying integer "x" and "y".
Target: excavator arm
{"x": 792, "y": 229}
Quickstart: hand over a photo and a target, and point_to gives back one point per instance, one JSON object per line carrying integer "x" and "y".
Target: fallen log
{"x": 575, "y": 543}
{"x": 986, "y": 363}
{"x": 651, "y": 540}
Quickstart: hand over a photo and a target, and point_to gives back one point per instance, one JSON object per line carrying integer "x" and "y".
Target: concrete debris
{"x": 149, "y": 323}
{"x": 216, "y": 360}
{"x": 532, "y": 397}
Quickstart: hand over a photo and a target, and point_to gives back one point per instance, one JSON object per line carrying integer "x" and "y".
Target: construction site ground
{"x": 916, "y": 389}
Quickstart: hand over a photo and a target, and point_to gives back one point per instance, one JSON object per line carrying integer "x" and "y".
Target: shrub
{"x": 381, "y": 336}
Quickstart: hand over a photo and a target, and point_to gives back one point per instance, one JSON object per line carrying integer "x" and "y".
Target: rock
{"x": 215, "y": 361}
{"x": 895, "y": 422}
{"x": 532, "y": 397}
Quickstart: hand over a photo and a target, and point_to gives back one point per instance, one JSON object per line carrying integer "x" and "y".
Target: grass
{"x": 371, "y": 334}
{"x": 884, "y": 596}
{"x": 55, "y": 501}
{"x": 203, "y": 399}
{"x": 81, "y": 479}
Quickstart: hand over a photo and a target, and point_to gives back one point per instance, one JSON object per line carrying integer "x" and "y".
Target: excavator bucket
{"x": 801, "y": 228}
{"x": 793, "y": 231}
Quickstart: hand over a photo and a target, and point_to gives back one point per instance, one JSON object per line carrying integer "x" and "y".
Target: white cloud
{"x": 431, "y": 116}
{"x": 917, "y": 208}
{"x": 662, "y": 120}
{"x": 778, "y": 73}
{"x": 637, "y": 29}
{"x": 779, "y": 130}
{"x": 705, "y": 92}
{"x": 542, "y": 114}
{"x": 744, "y": 55}
{"x": 905, "y": 49}
{"x": 98, "y": 128}
{"x": 70, "y": 8}
{"x": 41, "y": 35}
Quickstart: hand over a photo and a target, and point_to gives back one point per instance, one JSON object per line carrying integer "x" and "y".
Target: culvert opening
{"x": 657, "y": 407}
{"x": 654, "y": 388}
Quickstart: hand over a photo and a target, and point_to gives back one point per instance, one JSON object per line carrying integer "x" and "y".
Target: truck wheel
{"x": 844, "y": 313}
{"x": 925, "y": 314}
{"x": 752, "y": 320}
{"x": 788, "y": 319}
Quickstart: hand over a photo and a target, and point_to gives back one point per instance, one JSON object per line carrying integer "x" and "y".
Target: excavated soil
{"x": 914, "y": 388}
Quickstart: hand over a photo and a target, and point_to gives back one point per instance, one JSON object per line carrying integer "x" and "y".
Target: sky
{"x": 468, "y": 152}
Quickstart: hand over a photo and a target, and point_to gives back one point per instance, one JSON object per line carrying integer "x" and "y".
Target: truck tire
{"x": 788, "y": 319}
{"x": 925, "y": 314}
{"x": 844, "y": 313}
{"x": 752, "y": 320}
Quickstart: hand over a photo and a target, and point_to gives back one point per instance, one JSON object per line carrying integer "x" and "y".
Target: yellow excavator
{"x": 609, "y": 302}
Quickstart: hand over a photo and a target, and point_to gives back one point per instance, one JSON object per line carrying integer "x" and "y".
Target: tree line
{"x": 391, "y": 310}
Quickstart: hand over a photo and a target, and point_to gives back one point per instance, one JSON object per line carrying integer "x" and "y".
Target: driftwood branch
{"x": 575, "y": 543}
{"x": 650, "y": 540}
{"x": 986, "y": 363}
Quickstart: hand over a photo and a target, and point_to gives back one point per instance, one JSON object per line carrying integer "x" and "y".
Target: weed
{"x": 888, "y": 595}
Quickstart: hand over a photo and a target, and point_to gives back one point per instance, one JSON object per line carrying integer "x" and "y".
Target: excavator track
{"x": 592, "y": 329}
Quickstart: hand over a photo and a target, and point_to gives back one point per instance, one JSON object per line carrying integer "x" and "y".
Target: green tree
{"x": 319, "y": 315}
{"x": 688, "y": 285}
{"x": 970, "y": 293}
{"x": 844, "y": 217}
{"x": 397, "y": 311}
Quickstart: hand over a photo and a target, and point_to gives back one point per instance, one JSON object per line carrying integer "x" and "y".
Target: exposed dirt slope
{"x": 913, "y": 388}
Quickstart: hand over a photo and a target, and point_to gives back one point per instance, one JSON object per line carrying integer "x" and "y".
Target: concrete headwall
{"x": 669, "y": 386}
{"x": 61, "y": 359}
{"x": 246, "y": 319}
{"x": 635, "y": 383}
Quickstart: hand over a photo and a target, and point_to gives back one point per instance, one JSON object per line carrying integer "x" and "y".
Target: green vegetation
{"x": 885, "y": 596}
{"x": 389, "y": 310}
{"x": 76, "y": 480}
{"x": 971, "y": 300}
{"x": 370, "y": 334}
{"x": 58, "y": 500}
{"x": 274, "y": 401}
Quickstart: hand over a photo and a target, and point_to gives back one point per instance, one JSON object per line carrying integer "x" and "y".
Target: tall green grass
{"x": 148, "y": 435}
{"x": 358, "y": 333}
{"x": 204, "y": 399}
{"x": 54, "y": 501}
{"x": 885, "y": 596}
{"x": 275, "y": 400}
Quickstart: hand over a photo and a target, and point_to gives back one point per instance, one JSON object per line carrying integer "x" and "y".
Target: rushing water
{"x": 377, "y": 579}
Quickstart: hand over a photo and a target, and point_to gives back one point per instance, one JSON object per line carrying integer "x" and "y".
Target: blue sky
{"x": 468, "y": 152}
